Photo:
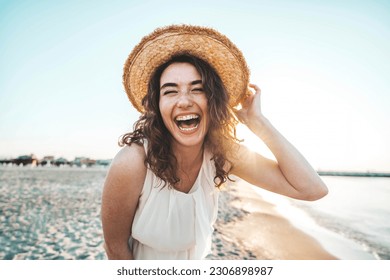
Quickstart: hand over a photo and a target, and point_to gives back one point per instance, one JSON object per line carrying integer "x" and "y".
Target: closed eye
{"x": 197, "y": 89}
{"x": 169, "y": 91}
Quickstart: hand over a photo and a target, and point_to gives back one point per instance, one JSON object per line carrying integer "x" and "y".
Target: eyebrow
{"x": 196, "y": 82}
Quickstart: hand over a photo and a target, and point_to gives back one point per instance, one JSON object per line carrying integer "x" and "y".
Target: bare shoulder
{"x": 122, "y": 189}
{"x": 129, "y": 158}
{"x": 127, "y": 171}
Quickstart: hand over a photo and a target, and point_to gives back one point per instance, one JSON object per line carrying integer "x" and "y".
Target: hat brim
{"x": 205, "y": 43}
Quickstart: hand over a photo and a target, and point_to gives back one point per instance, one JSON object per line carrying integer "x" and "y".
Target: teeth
{"x": 187, "y": 117}
{"x": 187, "y": 128}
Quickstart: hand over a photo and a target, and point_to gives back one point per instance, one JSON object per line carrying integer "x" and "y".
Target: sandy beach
{"x": 249, "y": 227}
{"x": 46, "y": 215}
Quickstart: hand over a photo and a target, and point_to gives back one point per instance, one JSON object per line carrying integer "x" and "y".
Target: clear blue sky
{"x": 323, "y": 67}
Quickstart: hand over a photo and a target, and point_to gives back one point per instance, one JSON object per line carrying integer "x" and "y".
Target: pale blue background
{"x": 323, "y": 67}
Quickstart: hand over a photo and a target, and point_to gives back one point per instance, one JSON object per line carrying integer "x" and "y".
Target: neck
{"x": 189, "y": 162}
{"x": 188, "y": 157}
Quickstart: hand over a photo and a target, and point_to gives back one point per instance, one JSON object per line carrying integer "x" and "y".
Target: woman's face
{"x": 183, "y": 104}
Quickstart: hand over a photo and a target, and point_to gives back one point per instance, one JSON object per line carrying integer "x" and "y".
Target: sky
{"x": 323, "y": 67}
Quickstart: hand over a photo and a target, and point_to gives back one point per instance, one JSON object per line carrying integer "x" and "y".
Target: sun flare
{"x": 252, "y": 142}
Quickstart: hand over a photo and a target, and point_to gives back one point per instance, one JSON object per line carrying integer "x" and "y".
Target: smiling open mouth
{"x": 187, "y": 122}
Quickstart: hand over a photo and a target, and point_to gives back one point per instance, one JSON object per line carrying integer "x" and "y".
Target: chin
{"x": 189, "y": 138}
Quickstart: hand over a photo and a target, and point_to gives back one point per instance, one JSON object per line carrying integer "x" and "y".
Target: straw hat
{"x": 202, "y": 42}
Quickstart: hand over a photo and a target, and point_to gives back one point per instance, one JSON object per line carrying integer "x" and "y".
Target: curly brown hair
{"x": 220, "y": 138}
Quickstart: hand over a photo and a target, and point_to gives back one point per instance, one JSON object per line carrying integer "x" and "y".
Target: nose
{"x": 184, "y": 100}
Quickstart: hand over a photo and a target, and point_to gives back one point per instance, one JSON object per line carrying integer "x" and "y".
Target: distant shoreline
{"x": 353, "y": 174}
{"x": 107, "y": 163}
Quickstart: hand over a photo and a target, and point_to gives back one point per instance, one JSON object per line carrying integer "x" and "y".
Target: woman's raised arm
{"x": 291, "y": 174}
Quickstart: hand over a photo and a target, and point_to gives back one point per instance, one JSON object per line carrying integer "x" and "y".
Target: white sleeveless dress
{"x": 169, "y": 224}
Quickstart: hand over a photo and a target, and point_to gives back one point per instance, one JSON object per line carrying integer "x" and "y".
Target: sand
{"x": 258, "y": 231}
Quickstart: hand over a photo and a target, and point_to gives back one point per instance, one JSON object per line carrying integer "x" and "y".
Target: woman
{"x": 160, "y": 197}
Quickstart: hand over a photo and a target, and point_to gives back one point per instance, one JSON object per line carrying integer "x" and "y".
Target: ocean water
{"x": 352, "y": 221}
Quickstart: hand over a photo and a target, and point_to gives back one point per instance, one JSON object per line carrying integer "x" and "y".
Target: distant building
{"x": 103, "y": 162}
{"x": 47, "y": 160}
{"x": 6, "y": 161}
{"x": 61, "y": 161}
{"x": 52, "y": 161}
{"x": 83, "y": 162}
{"x": 26, "y": 159}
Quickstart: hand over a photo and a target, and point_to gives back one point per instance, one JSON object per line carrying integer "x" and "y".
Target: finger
{"x": 256, "y": 88}
{"x": 244, "y": 98}
{"x": 247, "y": 100}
